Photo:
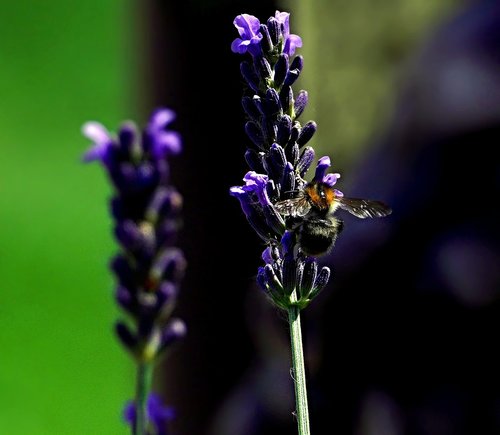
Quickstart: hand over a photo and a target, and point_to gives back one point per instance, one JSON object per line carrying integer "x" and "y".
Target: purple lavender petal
{"x": 160, "y": 118}
{"x": 252, "y": 177}
{"x": 166, "y": 202}
{"x": 331, "y": 179}
{"x": 237, "y": 191}
{"x": 128, "y": 234}
{"x": 127, "y": 301}
{"x": 291, "y": 41}
{"x": 253, "y": 215}
{"x": 164, "y": 142}
{"x": 283, "y": 18}
{"x": 321, "y": 168}
{"x": 98, "y": 134}
{"x": 173, "y": 331}
{"x": 170, "y": 265}
{"x": 248, "y": 27}
{"x": 156, "y": 408}
{"x": 123, "y": 297}
{"x": 267, "y": 255}
{"x": 129, "y": 413}
{"x": 159, "y": 414}
{"x": 257, "y": 183}
{"x": 166, "y": 294}
{"x": 243, "y": 196}
{"x": 167, "y": 142}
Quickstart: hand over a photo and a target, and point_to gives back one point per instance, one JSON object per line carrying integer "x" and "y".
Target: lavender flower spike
{"x": 148, "y": 267}
{"x": 277, "y": 141}
{"x": 288, "y": 278}
{"x": 293, "y": 216}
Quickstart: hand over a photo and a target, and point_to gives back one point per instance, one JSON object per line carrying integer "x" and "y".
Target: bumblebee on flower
{"x": 276, "y": 198}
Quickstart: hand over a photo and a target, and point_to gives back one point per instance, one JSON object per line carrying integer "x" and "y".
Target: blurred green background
{"x": 356, "y": 55}
{"x": 63, "y": 63}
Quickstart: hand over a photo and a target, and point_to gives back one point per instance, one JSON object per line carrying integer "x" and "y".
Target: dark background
{"x": 402, "y": 341}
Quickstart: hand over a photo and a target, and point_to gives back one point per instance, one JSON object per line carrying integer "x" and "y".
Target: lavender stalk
{"x": 292, "y": 216}
{"x": 278, "y": 162}
{"x": 148, "y": 269}
{"x": 298, "y": 369}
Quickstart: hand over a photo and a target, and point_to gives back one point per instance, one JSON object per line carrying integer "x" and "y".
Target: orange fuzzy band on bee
{"x": 320, "y": 194}
{"x": 330, "y": 196}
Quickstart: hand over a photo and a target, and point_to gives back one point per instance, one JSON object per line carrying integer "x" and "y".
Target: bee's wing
{"x": 298, "y": 206}
{"x": 364, "y": 208}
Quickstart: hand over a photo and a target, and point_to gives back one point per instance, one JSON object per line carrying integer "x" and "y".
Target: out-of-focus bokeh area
{"x": 401, "y": 342}
{"x": 62, "y": 63}
{"x": 357, "y": 53}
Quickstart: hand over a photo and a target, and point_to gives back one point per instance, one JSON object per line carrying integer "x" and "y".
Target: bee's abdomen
{"x": 317, "y": 236}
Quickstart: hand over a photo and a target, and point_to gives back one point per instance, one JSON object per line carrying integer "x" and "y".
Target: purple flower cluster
{"x": 278, "y": 156}
{"x": 146, "y": 214}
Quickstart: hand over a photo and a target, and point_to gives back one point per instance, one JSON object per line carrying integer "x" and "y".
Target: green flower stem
{"x": 299, "y": 375}
{"x": 144, "y": 375}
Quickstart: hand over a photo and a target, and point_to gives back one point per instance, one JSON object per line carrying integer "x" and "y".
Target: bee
{"x": 310, "y": 215}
